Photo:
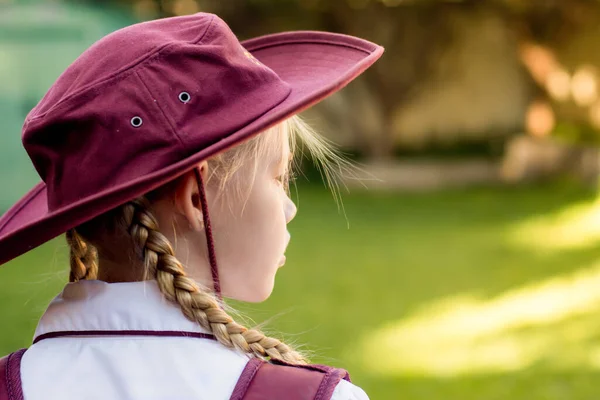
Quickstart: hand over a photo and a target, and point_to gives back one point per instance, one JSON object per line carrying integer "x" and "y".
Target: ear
{"x": 187, "y": 198}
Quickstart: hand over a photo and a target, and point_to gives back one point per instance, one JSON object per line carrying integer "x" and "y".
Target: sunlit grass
{"x": 468, "y": 334}
{"x": 574, "y": 226}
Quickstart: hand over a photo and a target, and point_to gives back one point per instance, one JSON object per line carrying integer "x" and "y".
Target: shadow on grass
{"x": 531, "y": 384}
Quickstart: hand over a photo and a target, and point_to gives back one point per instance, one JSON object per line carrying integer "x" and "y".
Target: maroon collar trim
{"x": 57, "y": 334}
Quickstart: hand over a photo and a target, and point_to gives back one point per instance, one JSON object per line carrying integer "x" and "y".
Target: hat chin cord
{"x": 209, "y": 237}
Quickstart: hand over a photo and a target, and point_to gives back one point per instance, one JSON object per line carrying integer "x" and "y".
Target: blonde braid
{"x": 84, "y": 257}
{"x": 196, "y": 304}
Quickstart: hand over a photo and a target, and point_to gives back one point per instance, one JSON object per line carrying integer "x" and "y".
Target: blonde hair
{"x": 134, "y": 223}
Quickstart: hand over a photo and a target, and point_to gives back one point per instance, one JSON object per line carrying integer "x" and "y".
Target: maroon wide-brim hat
{"x": 151, "y": 101}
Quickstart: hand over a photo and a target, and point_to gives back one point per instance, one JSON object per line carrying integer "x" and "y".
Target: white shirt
{"x": 130, "y": 367}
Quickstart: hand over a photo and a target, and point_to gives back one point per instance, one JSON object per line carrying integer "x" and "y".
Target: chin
{"x": 261, "y": 296}
{"x": 257, "y": 295}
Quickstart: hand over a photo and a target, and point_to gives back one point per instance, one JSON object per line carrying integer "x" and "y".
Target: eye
{"x": 285, "y": 179}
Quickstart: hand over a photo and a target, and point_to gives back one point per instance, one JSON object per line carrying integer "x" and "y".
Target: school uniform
{"x": 136, "y": 352}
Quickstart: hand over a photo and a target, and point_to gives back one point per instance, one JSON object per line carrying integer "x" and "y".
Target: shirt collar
{"x": 101, "y": 306}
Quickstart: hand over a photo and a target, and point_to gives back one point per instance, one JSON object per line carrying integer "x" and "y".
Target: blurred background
{"x": 469, "y": 266}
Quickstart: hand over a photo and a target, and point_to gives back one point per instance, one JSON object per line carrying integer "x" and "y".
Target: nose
{"x": 290, "y": 210}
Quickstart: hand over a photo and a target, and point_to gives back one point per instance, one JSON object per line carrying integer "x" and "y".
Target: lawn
{"x": 477, "y": 294}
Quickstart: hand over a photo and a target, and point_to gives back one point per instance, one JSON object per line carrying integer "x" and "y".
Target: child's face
{"x": 249, "y": 229}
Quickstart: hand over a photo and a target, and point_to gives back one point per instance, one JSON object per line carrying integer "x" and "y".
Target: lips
{"x": 287, "y": 242}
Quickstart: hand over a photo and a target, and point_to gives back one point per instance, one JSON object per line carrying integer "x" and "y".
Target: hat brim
{"x": 314, "y": 64}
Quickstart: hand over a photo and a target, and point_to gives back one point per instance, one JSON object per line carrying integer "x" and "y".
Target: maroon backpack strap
{"x": 10, "y": 376}
{"x": 278, "y": 380}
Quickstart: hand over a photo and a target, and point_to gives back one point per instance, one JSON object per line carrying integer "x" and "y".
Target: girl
{"x": 146, "y": 132}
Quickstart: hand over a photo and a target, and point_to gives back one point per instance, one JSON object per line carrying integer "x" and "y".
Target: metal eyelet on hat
{"x": 184, "y": 97}
{"x": 136, "y": 121}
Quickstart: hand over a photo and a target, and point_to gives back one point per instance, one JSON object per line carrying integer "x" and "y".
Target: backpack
{"x": 259, "y": 380}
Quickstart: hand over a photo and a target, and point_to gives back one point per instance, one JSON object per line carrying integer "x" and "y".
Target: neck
{"x": 115, "y": 272}
{"x": 112, "y": 272}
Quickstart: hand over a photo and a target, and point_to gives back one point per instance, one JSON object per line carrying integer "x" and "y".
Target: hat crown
{"x": 144, "y": 98}
{"x": 121, "y": 50}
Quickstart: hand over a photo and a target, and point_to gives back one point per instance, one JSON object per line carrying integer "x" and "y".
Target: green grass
{"x": 409, "y": 260}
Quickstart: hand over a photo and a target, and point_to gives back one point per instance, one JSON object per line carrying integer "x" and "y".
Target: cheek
{"x": 266, "y": 218}
{"x": 251, "y": 239}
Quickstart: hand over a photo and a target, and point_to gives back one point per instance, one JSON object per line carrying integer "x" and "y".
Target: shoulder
{"x": 279, "y": 380}
{"x": 347, "y": 391}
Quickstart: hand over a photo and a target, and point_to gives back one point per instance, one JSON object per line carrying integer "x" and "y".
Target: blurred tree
{"x": 415, "y": 33}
